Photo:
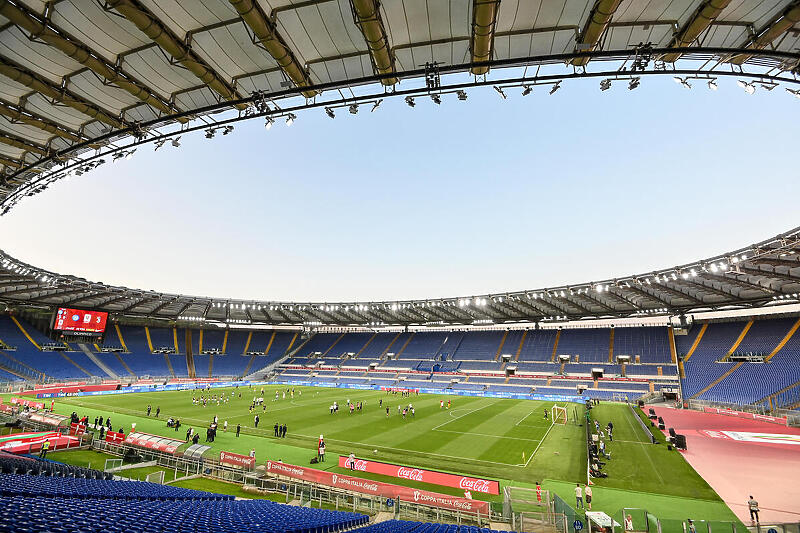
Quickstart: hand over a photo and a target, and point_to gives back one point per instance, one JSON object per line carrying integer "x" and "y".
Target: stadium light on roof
{"x": 528, "y": 89}
{"x": 376, "y": 105}
{"x": 500, "y": 92}
{"x": 159, "y": 143}
{"x": 410, "y": 101}
{"x": 176, "y": 141}
{"x": 437, "y": 99}
{"x": 793, "y": 92}
{"x": 748, "y": 87}
{"x": 712, "y": 84}
{"x": 227, "y": 129}
{"x": 555, "y": 87}
{"x": 268, "y": 124}
{"x": 462, "y": 95}
{"x": 353, "y": 109}
{"x": 682, "y": 81}
{"x": 290, "y": 119}
{"x": 605, "y": 84}
{"x": 329, "y": 111}
{"x": 634, "y": 83}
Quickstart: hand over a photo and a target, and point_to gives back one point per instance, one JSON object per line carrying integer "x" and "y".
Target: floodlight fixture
{"x": 270, "y": 121}
{"x": 712, "y": 84}
{"x": 462, "y": 95}
{"x": 329, "y": 111}
{"x": 555, "y": 87}
{"x": 159, "y": 143}
{"x": 793, "y": 92}
{"x": 210, "y": 132}
{"x": 528, "y": 89}
{"x": 376, "y": 105}
{"x": 748, "y": 87}
{"x": 634, "y": 83}
{"x": 437, "y": 99}
{"x": 682, "y": 81}
{"x": 768, "y": 85}
{"x": 227, "y": 129}
{"x": 410, "y": 101}
{"x": 605, "y": 84}
{"x": 176, "y": 141}
{"x": 290, "y": 119}
{"x": 353, "y": 109}
{"x": 500, "y": 92}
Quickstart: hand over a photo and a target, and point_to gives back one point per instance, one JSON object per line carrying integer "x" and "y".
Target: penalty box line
{"x": 552, "y": 424}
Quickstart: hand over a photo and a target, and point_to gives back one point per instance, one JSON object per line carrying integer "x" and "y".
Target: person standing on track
{"x": 753, "y": 506}
{"x": 578, "y": 496}
{"x": 587, "y": 492}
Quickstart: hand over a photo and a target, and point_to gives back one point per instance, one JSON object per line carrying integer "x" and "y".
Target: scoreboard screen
{"x": 79, "y": 321}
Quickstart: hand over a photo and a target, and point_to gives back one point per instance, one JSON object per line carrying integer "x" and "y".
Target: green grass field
{"x": 483, "y": 436}
{"x": 502, "y": 439}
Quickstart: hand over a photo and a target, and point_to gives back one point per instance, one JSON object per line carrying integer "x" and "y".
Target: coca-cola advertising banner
{"x": 752, "y": 416}
{"x": 234, "y": 459}
{"x": 377, "y": 488}
{"x": 426, "y": 476}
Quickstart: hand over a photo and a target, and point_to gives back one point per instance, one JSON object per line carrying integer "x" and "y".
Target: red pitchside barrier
{"x": 752, "y": 416}
{"x": 234, "y": 459}
{"x": 426, "y": 476}
{"x": 376, "y": 488}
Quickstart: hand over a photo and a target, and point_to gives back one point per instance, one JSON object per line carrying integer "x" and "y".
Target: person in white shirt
{"x": 578, "y": 496}
{"x": 587, "y": 492}
{"x": 629, "y": 523}
{"x": 753, "y": 506}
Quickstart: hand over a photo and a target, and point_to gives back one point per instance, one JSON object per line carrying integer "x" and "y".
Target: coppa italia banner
{"x": 115, "y": 438}
{"x": 751, "y": 416}
{"x": 235, "y": 459}
{"x": 27, "y": 403}
{"x": 376, "y": 488}
{"x": 427, "y": 476}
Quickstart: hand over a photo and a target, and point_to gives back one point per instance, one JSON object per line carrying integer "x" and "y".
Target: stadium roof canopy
{"x": 88, "y": 82}
{"x": 764, "y": 274}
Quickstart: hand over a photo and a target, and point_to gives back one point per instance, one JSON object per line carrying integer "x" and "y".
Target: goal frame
{"x": 559, "y": 415}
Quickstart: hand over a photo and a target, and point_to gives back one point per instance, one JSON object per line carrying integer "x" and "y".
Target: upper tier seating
{"x": 651, "y": 343}
{"x": 479, "y": 346}
{"x": 424, "y": 345}
{"x": 588, "y": 344}
{"x": 538, "y": 345}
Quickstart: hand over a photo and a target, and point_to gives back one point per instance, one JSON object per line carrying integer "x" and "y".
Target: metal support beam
{"x": 699, "y": 22}
{"x": 596, "y": 25}
{"x": 33, "y": 81}
{"x": 16, "y": 142}
{"x": 368, "y": 19}
{"x": 13, "y": 163}
{"x": 777, "y": 27}
{"x": 271, "y": 40}
{"x": 484, "y": 19}
{"x": 159, "y": 33}
{"x": 22, "y": 116}
{"x": 81, "y": 53}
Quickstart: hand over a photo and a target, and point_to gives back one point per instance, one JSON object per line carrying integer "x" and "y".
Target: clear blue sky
{"x": 464, "y": 198}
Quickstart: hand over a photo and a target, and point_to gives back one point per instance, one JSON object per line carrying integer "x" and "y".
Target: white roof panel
{"x": 182, "y": 16}
{"x": 105, "y": 32}
{"x": 71, "y": 118}
{"x": 36, "y": 56}
{"x": 151, "y": 64}
{"x": 230, "y": 51}
{"x": 24, "y": 131}
{"x": 109, "y": 97}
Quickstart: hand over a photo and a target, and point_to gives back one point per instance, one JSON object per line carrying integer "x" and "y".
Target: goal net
{"x": 559, "y": 415}
{"x": 156, "y": 477}
{"x": 111, "y": 464}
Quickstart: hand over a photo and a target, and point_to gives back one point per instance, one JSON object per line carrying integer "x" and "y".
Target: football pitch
{"x": 492, "y": 437}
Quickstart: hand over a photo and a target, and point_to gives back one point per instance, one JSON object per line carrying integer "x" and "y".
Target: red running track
{"x": 735, "y": 469}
